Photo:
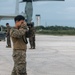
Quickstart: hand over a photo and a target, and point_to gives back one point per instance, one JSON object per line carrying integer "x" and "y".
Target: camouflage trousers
{"x": 19, "y": 57}
{"x": 32, "y": 42}
{"x": 8, "y": 41}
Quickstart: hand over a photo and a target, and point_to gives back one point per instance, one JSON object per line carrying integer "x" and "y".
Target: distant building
{"x": 38, "y": 19}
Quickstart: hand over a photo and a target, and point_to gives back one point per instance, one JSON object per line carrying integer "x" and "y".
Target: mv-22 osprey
{"x": 29, "y": 8}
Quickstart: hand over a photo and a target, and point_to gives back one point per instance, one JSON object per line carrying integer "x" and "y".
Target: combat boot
{"x": 8, "y": 46}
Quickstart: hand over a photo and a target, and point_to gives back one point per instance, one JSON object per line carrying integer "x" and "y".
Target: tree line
{"x": 52, "y": 30}
{"x": 55, "y": 30}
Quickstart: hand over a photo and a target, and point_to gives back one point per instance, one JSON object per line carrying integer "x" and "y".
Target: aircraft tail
{"x": 17, "y": 7}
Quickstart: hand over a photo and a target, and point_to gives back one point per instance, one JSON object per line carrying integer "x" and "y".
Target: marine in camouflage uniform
{"x": 32, "y": 36}
{"x": 8, "y": 36}
{"x": 19, "y": 46}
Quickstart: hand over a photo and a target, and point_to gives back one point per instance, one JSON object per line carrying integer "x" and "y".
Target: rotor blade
{"x": 40, "y": 0}
{"x": 48, "y": 0}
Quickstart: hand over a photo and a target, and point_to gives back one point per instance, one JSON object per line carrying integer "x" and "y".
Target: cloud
{"x": 67, "y": 10}
{"x": 7, "y": 6}
{"x": 70, "y": 10}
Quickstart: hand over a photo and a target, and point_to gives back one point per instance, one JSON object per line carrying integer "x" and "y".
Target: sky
{"x": 61, "y": 13}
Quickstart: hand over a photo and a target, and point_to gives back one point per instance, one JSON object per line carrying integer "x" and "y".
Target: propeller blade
{"x": 40, "y": 0}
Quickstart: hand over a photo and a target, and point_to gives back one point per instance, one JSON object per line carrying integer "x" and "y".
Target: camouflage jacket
{"x": 8, "y": 31}
{"x": 17, "y": 36}
{"x": 32, "y": 32}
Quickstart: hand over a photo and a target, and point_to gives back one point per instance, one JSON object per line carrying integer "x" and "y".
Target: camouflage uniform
{"x": 8, "y": 36}
{"x": 19, "y": 51}
{"x": 32, "y": 37}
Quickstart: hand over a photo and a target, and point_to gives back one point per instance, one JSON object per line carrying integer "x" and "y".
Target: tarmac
{"x": 54, "y": 55}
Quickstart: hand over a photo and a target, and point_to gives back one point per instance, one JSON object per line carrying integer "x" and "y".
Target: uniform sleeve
{"x": 17, "y": 33}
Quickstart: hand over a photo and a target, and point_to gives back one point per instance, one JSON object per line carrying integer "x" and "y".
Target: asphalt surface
{"x": 54, "y": 55}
